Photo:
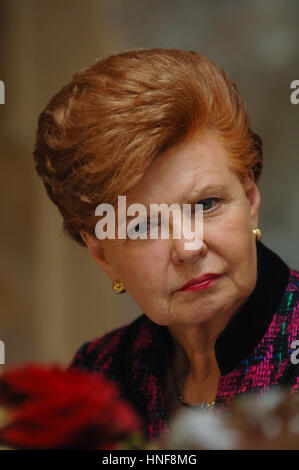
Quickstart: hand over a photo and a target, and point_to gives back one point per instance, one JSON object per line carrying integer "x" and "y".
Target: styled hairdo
{"x": 99, "y": 133}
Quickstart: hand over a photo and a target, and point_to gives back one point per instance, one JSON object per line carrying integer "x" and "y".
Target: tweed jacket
{"x": 253, "y": 351}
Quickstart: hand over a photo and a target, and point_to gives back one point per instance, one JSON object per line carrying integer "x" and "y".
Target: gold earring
{"x": 257, "y": 234}
{"x": 118, "y": 287}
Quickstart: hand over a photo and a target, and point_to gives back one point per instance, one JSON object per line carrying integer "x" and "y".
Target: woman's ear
{"x": 254, "y": 198}
{"x": 97, "y": 252}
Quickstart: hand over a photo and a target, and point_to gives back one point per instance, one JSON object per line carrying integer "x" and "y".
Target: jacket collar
{"x": 246, "y": 328}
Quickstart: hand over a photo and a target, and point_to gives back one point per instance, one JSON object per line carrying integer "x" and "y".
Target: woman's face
{"x": 152, "y": 271}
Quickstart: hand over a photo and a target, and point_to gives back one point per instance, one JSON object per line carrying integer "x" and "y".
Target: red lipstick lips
{"x": 200, "y": 283}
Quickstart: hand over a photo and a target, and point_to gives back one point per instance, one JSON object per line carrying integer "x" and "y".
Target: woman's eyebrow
{"x": 195, "y": 194}
{"x": 203, "y": 190}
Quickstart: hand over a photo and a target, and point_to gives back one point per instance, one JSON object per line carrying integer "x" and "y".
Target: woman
{"x": 169, "y": 126}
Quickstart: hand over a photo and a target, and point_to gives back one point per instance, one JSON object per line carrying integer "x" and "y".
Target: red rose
{"x": 57, "y": 409}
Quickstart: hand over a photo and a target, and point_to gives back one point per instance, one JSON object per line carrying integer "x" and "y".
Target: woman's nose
{"x": 180, "y": 253}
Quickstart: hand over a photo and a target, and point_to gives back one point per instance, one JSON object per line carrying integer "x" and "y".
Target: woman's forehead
{"x": 191, "y": 166}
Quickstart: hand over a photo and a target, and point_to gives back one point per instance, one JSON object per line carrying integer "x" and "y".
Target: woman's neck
{"x": 194, "y": 370}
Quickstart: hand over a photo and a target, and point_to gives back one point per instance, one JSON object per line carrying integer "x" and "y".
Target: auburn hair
{"x": 99, "y": 133}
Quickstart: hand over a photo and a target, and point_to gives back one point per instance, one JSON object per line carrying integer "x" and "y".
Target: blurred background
{"x": 53, "y": 296}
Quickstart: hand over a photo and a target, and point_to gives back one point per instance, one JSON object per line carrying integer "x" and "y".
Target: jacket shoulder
{"x": 98, "y": 354}
{"x": 293, "y": 284}
{"x": 292, "y": 297}
{"x": 289, "y": 312}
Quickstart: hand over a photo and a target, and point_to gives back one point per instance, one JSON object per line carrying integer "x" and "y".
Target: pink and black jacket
{"x": 253, "y": 351}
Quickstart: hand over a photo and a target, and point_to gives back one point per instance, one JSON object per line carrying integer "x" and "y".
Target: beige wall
{"x": 53, "y": 297}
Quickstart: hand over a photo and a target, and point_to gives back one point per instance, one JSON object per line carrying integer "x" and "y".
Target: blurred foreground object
{"x": 268, "y": 422}
{"x": 50, "y": 408}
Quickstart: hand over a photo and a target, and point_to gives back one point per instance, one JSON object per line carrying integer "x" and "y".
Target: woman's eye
{"x": 144, "y": 227}
{"x": 140, "y": 228}
{"x": 208, "y": 203}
